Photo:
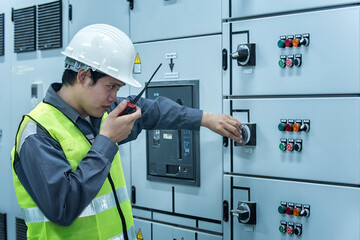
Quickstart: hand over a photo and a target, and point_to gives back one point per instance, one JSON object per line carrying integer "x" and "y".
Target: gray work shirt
{"x": 62, "y": 194}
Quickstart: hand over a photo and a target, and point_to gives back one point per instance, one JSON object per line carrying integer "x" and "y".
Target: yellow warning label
{"x": 137, "y": 59}
{"x": 139, "y": 235}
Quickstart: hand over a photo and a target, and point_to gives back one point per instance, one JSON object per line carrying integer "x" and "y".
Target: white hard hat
{"x": 105, "y": 48}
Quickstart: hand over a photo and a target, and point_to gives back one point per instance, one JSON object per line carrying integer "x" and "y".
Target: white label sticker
{"x": 21, "y": 69}
{"x": 248, "y": 150}
{"x": 170, "y": 55}
{"x": 248, "y": 71}
{"x": 167, "y": 136}
{"x": 171, "y": 75}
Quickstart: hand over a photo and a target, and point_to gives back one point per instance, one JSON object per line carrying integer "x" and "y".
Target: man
{"x": 66, "y": 166}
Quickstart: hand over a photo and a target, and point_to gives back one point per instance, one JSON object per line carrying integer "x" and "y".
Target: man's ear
{"x": 81, "y": 76}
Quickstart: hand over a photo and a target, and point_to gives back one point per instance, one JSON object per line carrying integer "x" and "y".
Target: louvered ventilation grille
{"x": 24, "y": 29}
{"x": 21, "y": 229}
{"x": 2, "y": 47}
{"x": 50, "y": 25}
{"x": 3, "y": 232}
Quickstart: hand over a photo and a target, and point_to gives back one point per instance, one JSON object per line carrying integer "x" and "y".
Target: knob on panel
{"x": 247, "y": 212}
{"x": 305, "y": 212}
{"x": 245, "y": 54}
{"x": 248, "y": 135}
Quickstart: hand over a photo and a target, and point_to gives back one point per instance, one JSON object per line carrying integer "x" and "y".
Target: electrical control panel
{"x": 290, "y": 209}
{"x": 293, "y": 57}
{"x": 173, "y": 155}
{"x": 309, "y": 134}
{"x": 299, "y": 89}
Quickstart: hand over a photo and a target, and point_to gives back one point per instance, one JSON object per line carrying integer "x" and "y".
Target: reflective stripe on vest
{"x": 98, "y": 205}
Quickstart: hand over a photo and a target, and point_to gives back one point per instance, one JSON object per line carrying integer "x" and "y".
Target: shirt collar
{"x": 54, "y": 99}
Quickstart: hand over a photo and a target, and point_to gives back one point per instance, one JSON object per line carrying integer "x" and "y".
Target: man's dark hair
{"x": 69, "y": 76}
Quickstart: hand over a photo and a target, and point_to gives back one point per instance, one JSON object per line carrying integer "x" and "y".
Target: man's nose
{"x": 112, "y": 97}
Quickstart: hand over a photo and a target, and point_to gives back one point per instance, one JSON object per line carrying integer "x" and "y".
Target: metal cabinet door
{"x": 326, "y": 66}
{"x": 329, "y": 150}
{"x": 334, "y": 209}
{"x": 241, "y": 8}
{"x": 164, "y": 19}
{"x": 86, "y": 12}
{"x": 196, "y": 59}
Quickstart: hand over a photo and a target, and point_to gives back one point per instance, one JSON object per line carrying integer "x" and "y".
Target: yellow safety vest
{"x": 101, "y": 219}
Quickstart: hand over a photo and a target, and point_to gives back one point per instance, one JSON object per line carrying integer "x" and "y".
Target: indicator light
{"x": 296, "y": 42}
{"x": 288, "y": 42}
{"x": 281, "y": 209}
{"x": 296, "y": 211}
{"x": 281, "y": 43}
{"x": 296, "y": 127}
{"x": 289, "y": 127}
{"x": 281, "y": 127}
{"x": 282, "y": 63}
{"x": 289, "y": 210}
{"x": 290, "y": 230}
{"x": 282, "y": 228}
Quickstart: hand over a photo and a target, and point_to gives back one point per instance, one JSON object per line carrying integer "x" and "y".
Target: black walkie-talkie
{"x": 130, "y": 105}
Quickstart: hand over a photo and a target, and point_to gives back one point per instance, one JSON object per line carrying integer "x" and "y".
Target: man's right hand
{"x": 118, "y": 128}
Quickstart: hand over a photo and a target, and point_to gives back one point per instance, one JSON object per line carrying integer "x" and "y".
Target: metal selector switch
{"x": 245, "y": 54}
{"x": 305, "y": 127}
{"x": 246, "y": 212}
{"x": 248, "y": 135}
{"x": 305, "y": 212}
{"x": 305, "y": 40}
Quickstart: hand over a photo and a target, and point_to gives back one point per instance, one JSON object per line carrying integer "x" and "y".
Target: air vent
{"x": 21, "y": 229}
{"x": 50, "y": 25}
{"x": 24, "y": 29}
{"x": 3, "y": 232}
{"x": 2, "y": 47}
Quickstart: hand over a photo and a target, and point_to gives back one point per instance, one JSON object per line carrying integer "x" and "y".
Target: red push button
{"x": 288, "y": 42}
{"x": 290, "y": 230}
{"x": 289, "y": 210}
{"x": 289, "y": 63}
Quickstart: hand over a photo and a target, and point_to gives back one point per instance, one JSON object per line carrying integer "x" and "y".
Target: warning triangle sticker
{"x": 139, "y": 235}
{"x": 137, "y": 59}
